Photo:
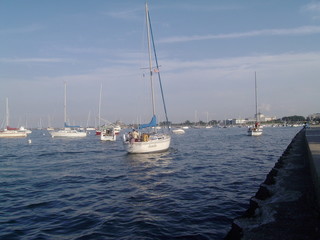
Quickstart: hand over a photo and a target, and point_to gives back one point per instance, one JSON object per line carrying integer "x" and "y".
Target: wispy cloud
{"x": 208, "y": 8}
{"x": 34, "y": 60}
{"x": 313, "y": 9}
{"x": 25, "y": 29}
{"x": 304, "y": 30}
{"x": 125, "y": 14}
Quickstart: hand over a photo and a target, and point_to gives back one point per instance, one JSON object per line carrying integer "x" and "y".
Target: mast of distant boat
{"x": 256, "y": 96}
{"x": 99, "y": 120}
{"x": 65, "y": 104}
{"x": 7, "y": 112}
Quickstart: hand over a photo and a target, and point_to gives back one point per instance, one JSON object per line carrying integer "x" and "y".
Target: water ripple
{"x": 88, "y": 189}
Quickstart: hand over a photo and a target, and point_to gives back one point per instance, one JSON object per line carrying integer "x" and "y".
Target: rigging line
{"x": 159, "y": 77}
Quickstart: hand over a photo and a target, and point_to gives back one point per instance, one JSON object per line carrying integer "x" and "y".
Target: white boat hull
{"x": 254, "y": 132}
{"x": 68, "y": 133}
{"x": 159, "y": 143}
{"x": 12, "y": 134}
{"x": 178, "y": 131}
{"x": 108, "y": 137}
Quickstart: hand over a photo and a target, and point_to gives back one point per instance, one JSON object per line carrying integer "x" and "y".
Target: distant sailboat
{"x": 208, "y": 125}
{"x": 256, "y": 130}
{"x": 108, "y": 134}
{"x": 9, "y": 132}
{"x": 68, "y": 131}
{"x": 152, "y": 141}
{"x": 49, "y": 128}
{"x": 99, "y": 130}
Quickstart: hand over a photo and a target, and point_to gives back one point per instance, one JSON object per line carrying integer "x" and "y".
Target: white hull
{"x": 68, "y": 133}
{"x": 108, "y": 137}
{"x": 156, "y": 143}
{"x": 117, "y": 129}
{"x": 254, "y": 132}
{"x": 12, "y": 134}
{"x": 178, "y": 131}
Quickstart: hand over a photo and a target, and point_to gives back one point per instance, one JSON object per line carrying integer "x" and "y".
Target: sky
{"x": 208, "y": 52}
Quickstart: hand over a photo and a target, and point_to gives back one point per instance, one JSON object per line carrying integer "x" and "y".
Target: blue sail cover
{"x": 152, "y": 123}
{"x": 68, "y": 126}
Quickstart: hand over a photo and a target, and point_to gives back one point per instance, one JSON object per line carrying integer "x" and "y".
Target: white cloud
{"x": 125, "y": 14}
{"x": 33, "y": 60}
{"x": 304, "y": 30}
{"x": 25, "y": 29}
{"x": 313, "y": 7}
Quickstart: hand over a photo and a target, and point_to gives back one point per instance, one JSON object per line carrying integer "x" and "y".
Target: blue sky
{"x": 208, "y": 51}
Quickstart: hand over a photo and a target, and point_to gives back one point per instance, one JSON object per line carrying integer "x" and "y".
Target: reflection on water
{"x": 150, "y": 159}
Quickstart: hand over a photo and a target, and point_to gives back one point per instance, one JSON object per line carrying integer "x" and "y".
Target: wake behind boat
{"x": 149, "y": 141}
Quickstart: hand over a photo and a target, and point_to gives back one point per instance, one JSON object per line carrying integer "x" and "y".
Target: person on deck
{"x": 135, "y": 134}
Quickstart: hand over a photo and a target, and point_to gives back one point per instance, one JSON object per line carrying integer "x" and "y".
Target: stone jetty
{"x": 287, "y": 204}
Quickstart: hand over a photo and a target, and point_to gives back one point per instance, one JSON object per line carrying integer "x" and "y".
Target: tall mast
{"x": 256, "y": 95}
{"x": 7, "y": 112}
{"x": 150, "y": 59}
{"x": 100, "y": 106}
{"x": 65, "y": 103}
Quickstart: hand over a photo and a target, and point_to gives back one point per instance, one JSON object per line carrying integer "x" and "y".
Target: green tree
{"x": 294, "y": 118}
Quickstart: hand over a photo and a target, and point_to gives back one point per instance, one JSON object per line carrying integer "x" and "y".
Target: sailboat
{"x": 256, "y": 130}
{"x": 208, "y": 125}
{"x": 9, "y": 132}
{"x": 149, "y": 141}
{"x": 68, "y": 131}
{"x": 108, "y": 134}
{"x": 99, "y": 130}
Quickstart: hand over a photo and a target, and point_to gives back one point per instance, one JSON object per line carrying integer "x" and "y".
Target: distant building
{"x": 238, "y": 121}
{"x": 314, "y": 116}
{"x": 261, "y": 118}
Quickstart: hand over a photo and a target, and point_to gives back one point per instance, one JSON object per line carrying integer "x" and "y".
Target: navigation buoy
{"x": 29, "y": 141}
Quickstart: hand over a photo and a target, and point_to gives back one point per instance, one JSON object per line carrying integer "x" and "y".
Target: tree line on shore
{"x": 295, "y": 119}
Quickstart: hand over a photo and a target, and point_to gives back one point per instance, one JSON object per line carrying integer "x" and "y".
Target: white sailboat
{"x": 152, "y": 141}
{"x": 256, "y": 130}
{"x": 68, "y": 131}
{"x": 208, "y": 125}
{"x": 99, "y": 130}
{"x": 9, "y": 132}
{"x": 108, "y": 134}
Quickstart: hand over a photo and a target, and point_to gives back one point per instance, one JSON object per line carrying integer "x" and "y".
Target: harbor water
{"x": 88, "y": 189}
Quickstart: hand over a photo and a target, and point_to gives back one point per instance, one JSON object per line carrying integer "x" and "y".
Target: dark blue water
{"x": 88, "y": 189}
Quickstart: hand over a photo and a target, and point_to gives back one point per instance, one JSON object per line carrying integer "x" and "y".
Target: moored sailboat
{"x": 152, "y": 140}
{"x": 256, "y": 130}
{"x": 108, "y": 134}
{"x": 68, "y": 131}
{"x": 9, "y": 132}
